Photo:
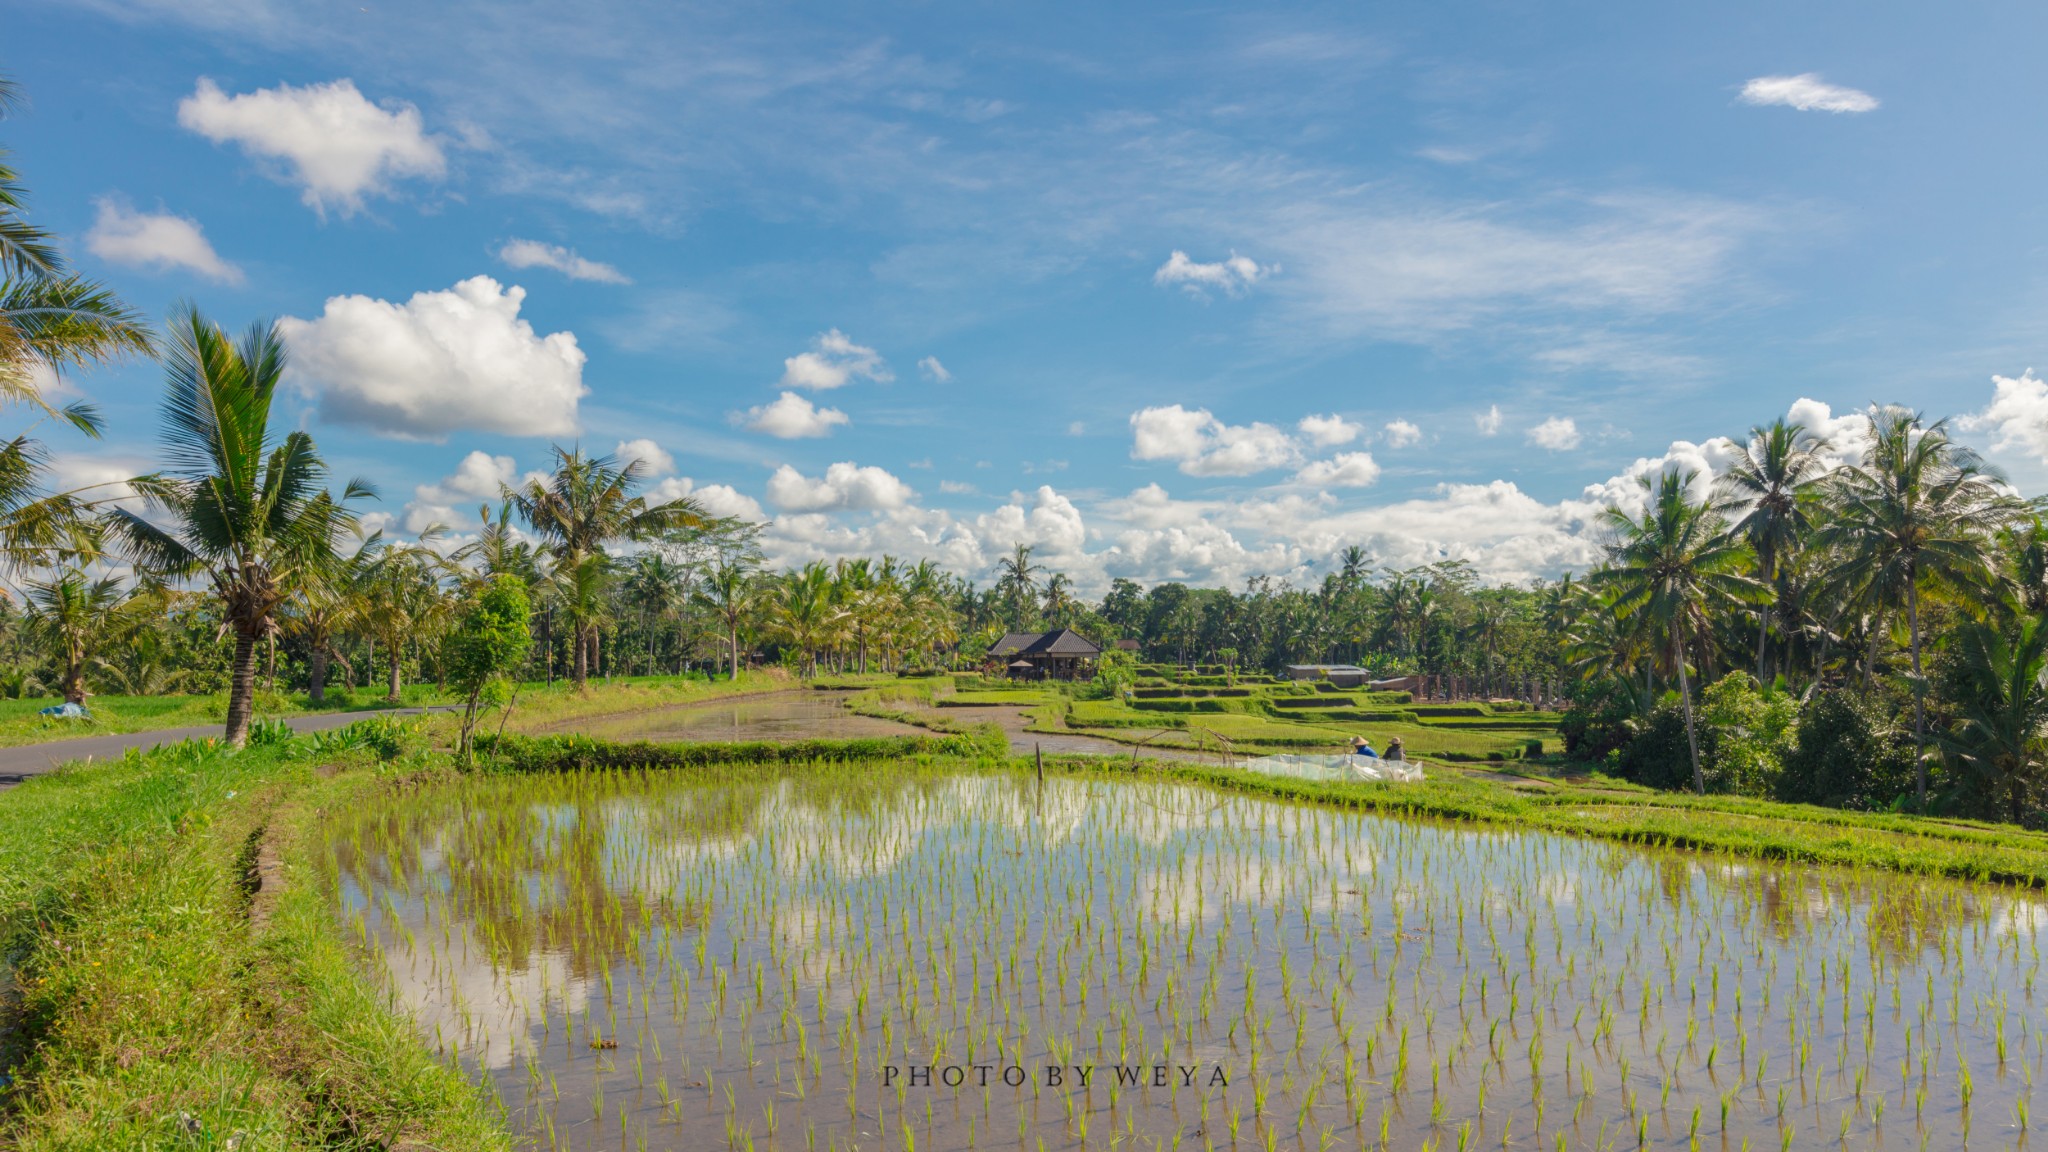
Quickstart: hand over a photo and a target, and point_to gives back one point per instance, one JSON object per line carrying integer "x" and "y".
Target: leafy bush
{"x": 1657, "y": 754}
{"x": 1746, "y": 732}
{"x": 1599, "y": 720}
{"x": 1846, "y": 753}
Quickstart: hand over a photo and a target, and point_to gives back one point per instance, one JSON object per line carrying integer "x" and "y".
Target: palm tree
{"x": 1059, "y": 600}
{"x": 2003, "y": 709}
{"x": 50, "y": 320}
{"x": 730, "y": 594}
{"x": 401, "y": 604}
{"x": 1015, "y": 576}
{"x": 586, "y": 503}
{"x": 801, "y": 609}
{"x": 658, "y": 587}
{"x": 329, "y": 600}
{"x": 70, "y": 615}
{"x": 1919, "y": 510}
{"x": 1674, "y": 565}
{"x": 1352, "y": 566}
{"x": 1774, "y": 479}
{"x": 246, "y": 511}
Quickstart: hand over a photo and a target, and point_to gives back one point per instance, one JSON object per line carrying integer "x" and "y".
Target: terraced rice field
{"x": 913, "y": 957}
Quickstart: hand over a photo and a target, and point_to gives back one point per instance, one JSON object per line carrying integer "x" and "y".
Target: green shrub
{"x": 1389, "y": 697}
{"x": 1599, "y": 720}
{"x": 1846, "y": 754}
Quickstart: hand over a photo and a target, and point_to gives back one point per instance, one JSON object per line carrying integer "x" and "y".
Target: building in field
{"x": 1341, "y": 675}
{"x": 1062, "y": 654}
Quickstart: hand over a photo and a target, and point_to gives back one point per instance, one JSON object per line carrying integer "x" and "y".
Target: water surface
{"x": 644, "y": 960}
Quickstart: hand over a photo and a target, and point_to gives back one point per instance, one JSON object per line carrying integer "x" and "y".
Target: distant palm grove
{"x": 1858, "y": 626}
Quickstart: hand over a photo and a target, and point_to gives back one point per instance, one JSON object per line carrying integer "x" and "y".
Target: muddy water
{"x": 635, "y": 961}
{"x": 780, "y": 716}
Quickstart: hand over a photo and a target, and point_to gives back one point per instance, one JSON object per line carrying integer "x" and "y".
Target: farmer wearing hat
{"x": 1360, "y": 746}
{"x": 1395, "y": 751}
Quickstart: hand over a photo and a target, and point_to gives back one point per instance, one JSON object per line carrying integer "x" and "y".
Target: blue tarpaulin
{"x": 67, "y": 711}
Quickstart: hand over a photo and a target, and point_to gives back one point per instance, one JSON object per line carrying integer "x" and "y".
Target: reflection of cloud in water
{"x": 473, "y": 1002}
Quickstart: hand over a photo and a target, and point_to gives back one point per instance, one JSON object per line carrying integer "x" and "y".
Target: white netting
{"x": 1337, "y": 767}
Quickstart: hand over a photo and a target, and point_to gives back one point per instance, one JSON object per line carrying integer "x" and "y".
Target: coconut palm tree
{"x": 329, "y": 599}
{"x": 243, "y": 508}
{"x": 1774, "y": 481}
{"x": 69, "y": 615}
{"x": 801, "y": 610}
{"x": 1675, "y": 564}
{"x": 658, "y": 587}
{"x": 1919, "y": 512}
{"x": 730, "y": 593}
{"x": 401, "y": 603}
{"x": 586, "y": 503}
{"x": 1016, "y": 576}
{"x": 1059, "y": 600}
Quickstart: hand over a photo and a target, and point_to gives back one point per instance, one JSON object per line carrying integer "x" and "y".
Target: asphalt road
{"x": 20, "y": 763}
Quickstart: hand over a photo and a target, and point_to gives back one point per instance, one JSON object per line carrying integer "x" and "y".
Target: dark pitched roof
{"x": 1062, "y": 642}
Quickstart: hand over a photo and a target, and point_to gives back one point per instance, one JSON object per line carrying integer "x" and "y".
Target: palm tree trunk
{"x": 732, "y": 671}
{"x": 1919, "y": 688}
{"x": 579, "y": 665}
{"x": 397, "y": 668}
{"x": 74, "y": 682}
{"x": 242, "y": 688}
{"x": 316, "y": 675}
{"x": 1692, "y": 739}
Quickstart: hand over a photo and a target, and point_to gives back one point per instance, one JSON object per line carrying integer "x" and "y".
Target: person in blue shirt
{"x": 1360, "y": 746}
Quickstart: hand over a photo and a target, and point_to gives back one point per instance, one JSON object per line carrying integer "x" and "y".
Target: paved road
{"x": 18, "y": 764}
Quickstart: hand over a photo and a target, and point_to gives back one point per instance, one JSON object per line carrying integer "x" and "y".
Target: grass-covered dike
{"x": 180, "y": 978}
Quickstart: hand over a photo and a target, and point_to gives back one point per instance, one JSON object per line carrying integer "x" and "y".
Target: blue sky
{"x": 1165, "y": 292}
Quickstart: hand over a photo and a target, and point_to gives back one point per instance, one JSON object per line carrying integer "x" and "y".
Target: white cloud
{"x": 441, "y": 361}
{"x": 720, "y": 500}
{"x": 654, "y": 459}
{"x": 534, "y": 254}
{"x": 1329, "y": 431}
{"x": 1051, "y": 525}
{"x": 2017, "y": 416}
{"x": 833, "y": 362}
{"x": 1806, "y": 92}
{"x": 1558, "y": 434}
{"x": 337, "y": 145}
{"x": 1488, "y": 421}
{"x": 1206, "y": 446}
{"x": 157, "y": 241}
{"x": 933, "y": 370}
{"x": 843, "y": 486}
{"x": 452, "y": 500}
{"x": 1344, "y": 470}
{"x": 1402, "y": 434}
{"x": 957, "y": 488}
{"x": 1232, "y": 276}
{"x": 791, "y": 417}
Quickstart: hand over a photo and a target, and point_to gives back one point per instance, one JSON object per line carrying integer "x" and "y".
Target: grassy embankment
{"x": 20, "y": 724}
{"x": 183, "y": 977}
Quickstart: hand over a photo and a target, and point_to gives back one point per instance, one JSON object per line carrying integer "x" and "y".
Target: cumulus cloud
{"x": 331, "y": 141}
{"x": 2017, "y": 416}
{"x": 791, "y": 417}
{"x": 654, "y": 459}
{"x": 157, "y": 241}
{"x": 1402, "y": 434}
{"x": 844, "y": 485}
{"x": 1344, "y": 470}
{"x": 480, "y": 479}
{"x": 1488, "y": 421}
{"x": 1232, "y": 276}
{"x": 1204, "y": 446}
{"x": 534, "y": 254}
{"x": 1808, "y": 93}
{"x": 1051, "y": 524}
{"x": 833, "y": 362}
{"x": 1329, "y": 431}
{"x": 933, "y": 370}
{"x": 719, "y": 500}
{"x": 441, "y": 361}
{"x": 1558, "y": 434}
{"x": 957, "y": 488}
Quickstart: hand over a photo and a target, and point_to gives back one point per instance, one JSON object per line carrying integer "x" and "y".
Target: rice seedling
{"x": 964, "y": 956}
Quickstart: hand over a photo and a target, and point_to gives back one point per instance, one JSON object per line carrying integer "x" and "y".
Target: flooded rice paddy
{"x": 912, "y": 959}
{"x": 779, "y": 716}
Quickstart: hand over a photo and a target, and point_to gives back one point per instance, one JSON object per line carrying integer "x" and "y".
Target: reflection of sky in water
{"x": 943, "y": 904}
